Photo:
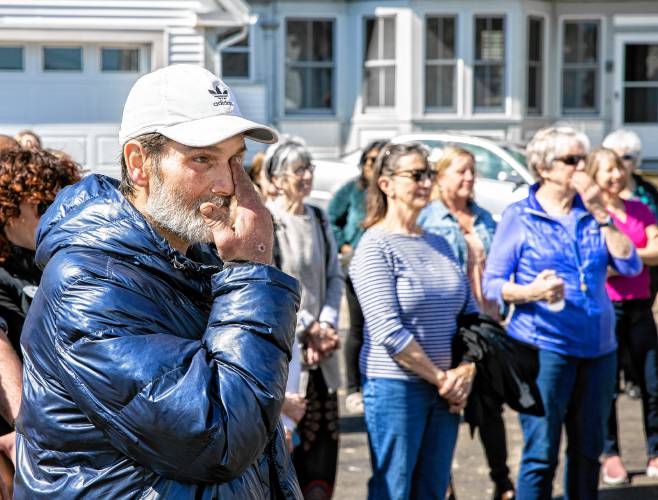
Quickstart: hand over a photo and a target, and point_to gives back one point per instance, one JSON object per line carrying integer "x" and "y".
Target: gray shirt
{"x": 303, "y": 255}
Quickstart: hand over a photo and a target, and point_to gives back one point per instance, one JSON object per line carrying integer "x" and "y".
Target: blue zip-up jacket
{"x": 528, "y": 241}
{"x": 149, "y": 375}
{"x": 436, "y": 218}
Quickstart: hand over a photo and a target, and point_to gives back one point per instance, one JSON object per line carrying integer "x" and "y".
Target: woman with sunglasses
{"x": 557, "y": 244}
{"x": 469, "y": 229}
{"x": 305, "y": 249}
{"x": 346, "y": 211}
{"x": 411, "y": 290}
{"x": 631, "y": 296}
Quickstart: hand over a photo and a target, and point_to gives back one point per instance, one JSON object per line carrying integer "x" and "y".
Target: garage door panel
{"x": 75, "y": 146}
{"x": 109, "y": 100}
{"x": 62, "y": 103}
{"x": 16, "y": 104}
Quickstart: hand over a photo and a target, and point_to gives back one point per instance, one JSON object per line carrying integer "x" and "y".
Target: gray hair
{"x": 288, "y": 150}
{"x": 625, "y": 140}
{"x": 540, "y": 151}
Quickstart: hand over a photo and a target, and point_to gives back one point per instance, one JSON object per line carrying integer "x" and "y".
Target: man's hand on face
{"x": 248, "y": 233}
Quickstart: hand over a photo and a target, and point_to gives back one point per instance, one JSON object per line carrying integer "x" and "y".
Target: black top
{"x": 19, "y": 277}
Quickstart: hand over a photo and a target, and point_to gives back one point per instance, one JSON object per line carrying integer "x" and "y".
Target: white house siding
{"x": 350, "y": 125}
{"x": 82, "y": 111}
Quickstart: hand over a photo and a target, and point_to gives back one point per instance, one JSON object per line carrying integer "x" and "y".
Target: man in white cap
{"x": 147, "y": 373}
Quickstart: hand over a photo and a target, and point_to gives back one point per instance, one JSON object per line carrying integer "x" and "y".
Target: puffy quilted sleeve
{"x": 195, "y": 410}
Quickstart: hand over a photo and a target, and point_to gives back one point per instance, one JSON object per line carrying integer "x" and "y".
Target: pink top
{"x": 638, "y": 218}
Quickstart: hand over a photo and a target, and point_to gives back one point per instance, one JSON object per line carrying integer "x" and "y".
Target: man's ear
{"x": 135, "y": 158}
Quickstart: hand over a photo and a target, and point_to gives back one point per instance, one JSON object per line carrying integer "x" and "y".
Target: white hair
{"x": 540, "y": 151}
{"x": 625, "y": 140}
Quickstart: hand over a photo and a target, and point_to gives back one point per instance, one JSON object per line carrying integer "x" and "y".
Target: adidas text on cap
{"x": 189, "y": 105}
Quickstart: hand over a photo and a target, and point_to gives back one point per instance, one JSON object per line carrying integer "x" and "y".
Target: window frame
{"x": 23, "y": 59}
{"x": 379, "y": 64}
{"x": 241, "y": 49}
{"x": 454, "y": 62}
{"x": 43, "y": 69}
{"x": 137, "y": 71}
{"x": 311, "y": 65}
{"x": 599, "y": 70}
{"x": 540, "y": 65}
{"x": 488, "y": 110}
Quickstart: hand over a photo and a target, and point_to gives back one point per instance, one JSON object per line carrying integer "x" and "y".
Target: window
{"x": 119, "y": 60}
{"x": 440, "y": 63}
{"x": 379, "y": 62}
{"x": 489, "y": 165}
{"x": 489, "y": 64}
{"x": 11, "y": 58}
{"x": 641, "y": 83}
{"x": 534, "y": 92}
{"x": 62, "y": 59}
{"x": 235, "y": 58}
{"x": 580, "y": 67}
{"x": 309, "y": 65}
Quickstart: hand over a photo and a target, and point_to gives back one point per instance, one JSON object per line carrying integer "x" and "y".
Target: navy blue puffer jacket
{"x": 148, "y": 375}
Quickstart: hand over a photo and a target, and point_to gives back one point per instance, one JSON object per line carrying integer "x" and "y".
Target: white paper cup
{"x": 555, "y": 306}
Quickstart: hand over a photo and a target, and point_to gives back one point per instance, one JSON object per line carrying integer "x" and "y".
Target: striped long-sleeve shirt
{"x": 409, "y": 287}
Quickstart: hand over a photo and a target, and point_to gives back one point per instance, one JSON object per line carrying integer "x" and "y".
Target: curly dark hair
{"x": 30, "y": 175}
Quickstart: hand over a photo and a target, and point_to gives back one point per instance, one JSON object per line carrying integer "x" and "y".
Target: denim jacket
{"x": 528, "y": 241}
{"x": 436, "y": 218}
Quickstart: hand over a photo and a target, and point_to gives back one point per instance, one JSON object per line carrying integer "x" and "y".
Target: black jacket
{"x": 506, "y": 369}
{"x": 19, "y": 278}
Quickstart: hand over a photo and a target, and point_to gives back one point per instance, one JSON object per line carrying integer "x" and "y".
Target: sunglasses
{"x": 571, "y": 160}
{"x": 417, "y": 175}
{"x": 300, "y": 171}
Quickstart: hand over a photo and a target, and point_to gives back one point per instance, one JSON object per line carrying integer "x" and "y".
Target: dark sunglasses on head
{"x": 571, "y": 160}
{"x": 417, "y": 175}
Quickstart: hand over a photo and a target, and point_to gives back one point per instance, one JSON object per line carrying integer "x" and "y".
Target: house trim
{"x": 602, "y": 54}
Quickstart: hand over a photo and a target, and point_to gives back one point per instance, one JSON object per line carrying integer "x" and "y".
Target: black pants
{"x": 638, "y": 358}
{"x": 494, "y": 441}
{"x": 354, "y": 339}
{"x": 316, "y": 457}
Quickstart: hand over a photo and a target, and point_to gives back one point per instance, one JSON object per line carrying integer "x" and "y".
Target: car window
{"x": 489, "y": 165}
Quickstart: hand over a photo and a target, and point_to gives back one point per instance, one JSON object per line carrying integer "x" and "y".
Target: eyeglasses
{"x": 571, "y": 160}
{"x": 417, "y": 175}
{"x": 300, "y": 171}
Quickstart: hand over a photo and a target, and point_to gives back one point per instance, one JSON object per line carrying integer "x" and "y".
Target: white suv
{"x": 502, "y": 176}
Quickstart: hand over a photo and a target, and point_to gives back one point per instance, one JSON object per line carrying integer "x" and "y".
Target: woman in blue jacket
{"x": 557, "y": 245}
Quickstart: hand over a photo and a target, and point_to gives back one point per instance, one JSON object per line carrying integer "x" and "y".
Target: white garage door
{"x": 72, "y": 94}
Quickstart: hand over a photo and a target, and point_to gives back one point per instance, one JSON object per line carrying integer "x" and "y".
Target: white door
{"x": 636, "y": 89}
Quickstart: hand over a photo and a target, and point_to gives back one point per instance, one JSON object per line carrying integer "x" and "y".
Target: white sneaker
{"x": 354, "y": 403}
{"x": 652, "y": 467}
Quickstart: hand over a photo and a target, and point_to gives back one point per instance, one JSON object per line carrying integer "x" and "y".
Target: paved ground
{"x": 470, "y": 470}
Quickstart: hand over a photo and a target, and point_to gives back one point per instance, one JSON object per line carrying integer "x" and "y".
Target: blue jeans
{"x": 577, "y": 393}
{"x": 412, "y": 438}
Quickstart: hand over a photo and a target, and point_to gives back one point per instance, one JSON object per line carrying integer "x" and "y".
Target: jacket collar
{"x": 94, "y": 214}
{"x": 442, "y": 212}
{"x": 534, "y": 207}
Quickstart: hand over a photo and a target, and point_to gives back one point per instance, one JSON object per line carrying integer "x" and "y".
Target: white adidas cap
{"x": 189, "y": 105}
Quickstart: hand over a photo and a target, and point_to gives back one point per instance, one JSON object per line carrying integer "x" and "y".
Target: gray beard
{"x": 169, "y": 210}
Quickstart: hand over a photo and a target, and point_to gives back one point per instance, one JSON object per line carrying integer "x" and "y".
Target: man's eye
{"x": 201, "y": 159}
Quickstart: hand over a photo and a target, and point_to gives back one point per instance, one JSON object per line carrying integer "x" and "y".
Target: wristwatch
{"x": 609, "y": 221}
